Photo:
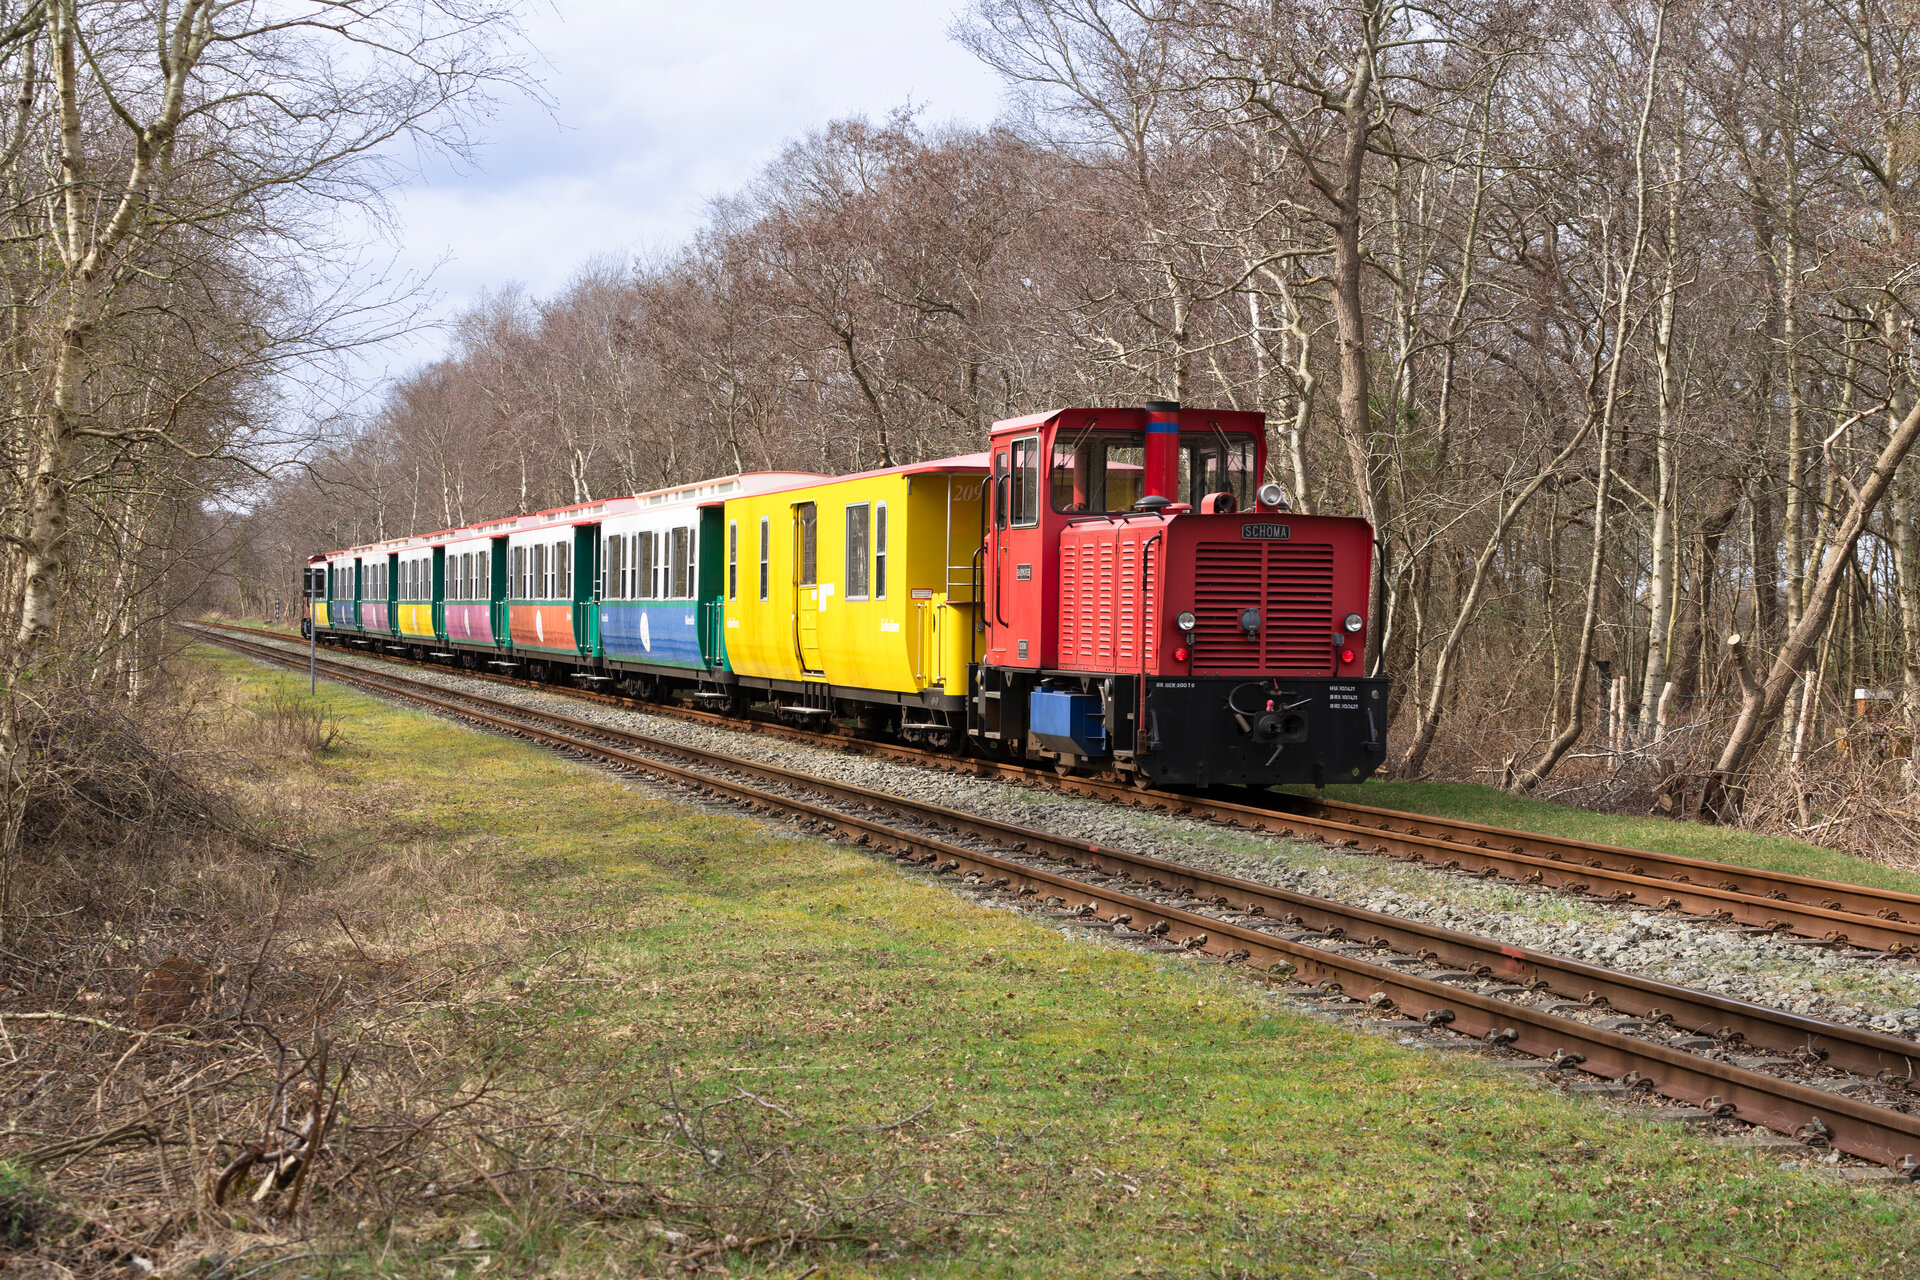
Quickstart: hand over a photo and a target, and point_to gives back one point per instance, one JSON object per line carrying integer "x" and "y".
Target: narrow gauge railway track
{"x": 1827, "y": 911}
{"x": 1238, "y": 920}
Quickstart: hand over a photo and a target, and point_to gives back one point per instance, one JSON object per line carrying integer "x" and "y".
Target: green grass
{"x": 1494, "y": 807}
{"x": 1076, "y": 1109}
{"x": 1498, "y": 808}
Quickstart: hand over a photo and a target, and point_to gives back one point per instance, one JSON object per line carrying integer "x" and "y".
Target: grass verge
{"x": 1490, "y": 805}
{"x": 780, "y": 1053}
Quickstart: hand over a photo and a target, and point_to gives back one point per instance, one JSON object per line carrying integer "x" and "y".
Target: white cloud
{"x": 656, "y": 108}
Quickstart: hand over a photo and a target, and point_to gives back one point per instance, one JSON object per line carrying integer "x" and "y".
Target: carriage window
{"x": 643, "y": 566}
{"x": 733, "y": 559}
{"x": 858, "y": 550}
{"x": 682, "y": 563}
{"x": 1025, "y": 502}
{"x": 563, "y": 570}
{"x": 880, "y": 552}
{"x": 806, "y": 521}
{"x": 764, "y": 556}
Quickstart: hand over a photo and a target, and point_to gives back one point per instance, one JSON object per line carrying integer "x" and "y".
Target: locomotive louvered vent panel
{"x": 1291, "y": 584}
{"x": 1078, "y": 606}
{"x": 1103, "y": 615}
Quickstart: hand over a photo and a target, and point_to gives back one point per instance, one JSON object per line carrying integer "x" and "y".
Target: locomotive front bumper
{"x": 1236, "y": 731}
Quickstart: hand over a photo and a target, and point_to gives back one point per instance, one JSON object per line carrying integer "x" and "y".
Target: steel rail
{"x": 1878, "y": 1133}
{"x": 1830, "y": 911}
{"x": 1830, "y": 894}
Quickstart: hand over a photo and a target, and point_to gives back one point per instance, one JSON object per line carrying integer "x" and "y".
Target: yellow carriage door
{"x": 806, "y": 576}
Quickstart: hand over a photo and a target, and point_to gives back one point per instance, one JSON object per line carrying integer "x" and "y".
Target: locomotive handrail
{"x": 979, "y": 599}
{"x": 1146, "y": 609}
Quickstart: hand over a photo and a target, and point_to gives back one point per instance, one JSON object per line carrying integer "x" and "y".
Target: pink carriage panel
{"x": 472, "y": 623}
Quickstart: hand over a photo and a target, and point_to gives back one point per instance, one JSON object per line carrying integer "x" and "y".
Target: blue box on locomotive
{"x": 1067, "y": 722}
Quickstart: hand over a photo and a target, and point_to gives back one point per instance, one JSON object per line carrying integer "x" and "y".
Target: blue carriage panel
{"x": 665, "y": 632}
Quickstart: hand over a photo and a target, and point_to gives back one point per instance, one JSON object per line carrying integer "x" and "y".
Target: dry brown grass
{"x": 293, "y": 1018}
{"x": 211, "y": 1035}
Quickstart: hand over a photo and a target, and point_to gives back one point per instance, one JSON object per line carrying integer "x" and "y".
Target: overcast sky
{"x": 656, "y": 107}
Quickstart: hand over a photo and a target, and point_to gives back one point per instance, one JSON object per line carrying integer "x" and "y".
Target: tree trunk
{"x": 1349, "y": 316}
{"x": 1603, "y": 484}
{"x": 1685, "y": 664}
{"x": 1662, "y": 549}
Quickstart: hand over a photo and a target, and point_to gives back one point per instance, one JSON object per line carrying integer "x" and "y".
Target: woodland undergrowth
{"x": 1854, "y": 787}
{"x": 243, "y": 1015}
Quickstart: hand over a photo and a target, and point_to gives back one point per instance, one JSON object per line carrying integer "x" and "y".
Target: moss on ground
{"x": 985, "y": 1097}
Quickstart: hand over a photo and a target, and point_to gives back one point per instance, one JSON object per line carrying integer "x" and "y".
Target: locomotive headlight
{"x": 1272, "y": 495}
{"x": 1353, "y": 622}
{"x": 1186, "y": 621}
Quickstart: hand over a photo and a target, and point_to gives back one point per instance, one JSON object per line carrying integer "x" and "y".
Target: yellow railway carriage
{"x": 859, "y": 589}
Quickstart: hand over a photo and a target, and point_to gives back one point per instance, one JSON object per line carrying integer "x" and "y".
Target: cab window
{"x": 1097, "y": 472}
{"x": 1216, "y": 463}
{"x": 1024, "y": 502}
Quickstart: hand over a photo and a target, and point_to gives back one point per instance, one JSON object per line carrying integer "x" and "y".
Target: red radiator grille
{"x": 1291, "y": 584}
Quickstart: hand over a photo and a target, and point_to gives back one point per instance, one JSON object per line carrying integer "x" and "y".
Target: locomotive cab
{"x": 1150, "y": 609}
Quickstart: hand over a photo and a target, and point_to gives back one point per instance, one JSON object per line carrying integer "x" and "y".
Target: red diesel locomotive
{"x": 1149, "y": 607}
